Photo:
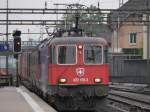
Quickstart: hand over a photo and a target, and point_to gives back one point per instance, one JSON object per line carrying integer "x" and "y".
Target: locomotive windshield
{"x": 66, "y": 54}
{"x": 92, "y": 54}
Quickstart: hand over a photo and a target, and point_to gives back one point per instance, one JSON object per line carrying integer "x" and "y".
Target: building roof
{"x": 137, "y": 7}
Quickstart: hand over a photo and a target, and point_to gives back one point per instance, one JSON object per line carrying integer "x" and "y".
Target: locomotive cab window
{"x": 93, "y": 54}
{"x": 66, "y": 54}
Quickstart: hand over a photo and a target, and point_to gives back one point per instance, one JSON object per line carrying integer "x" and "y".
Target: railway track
{"x": 140, "y": 89}
{"x": 128, "y": 101}
{"x": 101, "y": 109}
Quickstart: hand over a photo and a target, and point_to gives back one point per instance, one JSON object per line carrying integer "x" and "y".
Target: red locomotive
{"x": 70, "y": 71}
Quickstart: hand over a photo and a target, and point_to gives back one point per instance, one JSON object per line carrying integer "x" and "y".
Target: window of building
{"x": 132, "y": 38}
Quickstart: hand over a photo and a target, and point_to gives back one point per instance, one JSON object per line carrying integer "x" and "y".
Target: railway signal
{"x": 17, "y": 49}
{"x": 17, "y": 41}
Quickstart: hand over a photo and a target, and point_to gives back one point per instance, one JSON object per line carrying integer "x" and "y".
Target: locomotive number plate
{"x": 80, "y": 79}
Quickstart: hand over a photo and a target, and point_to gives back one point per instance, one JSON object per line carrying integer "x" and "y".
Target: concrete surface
{"x": 21, "y": 100}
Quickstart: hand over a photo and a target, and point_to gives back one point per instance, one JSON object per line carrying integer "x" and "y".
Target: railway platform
{"x": 21, "y": 100}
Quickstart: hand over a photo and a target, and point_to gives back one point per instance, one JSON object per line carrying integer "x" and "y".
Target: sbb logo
{"x": 80, "y": 72}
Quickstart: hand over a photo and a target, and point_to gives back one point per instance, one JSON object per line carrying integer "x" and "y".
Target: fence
{"x": 129, "y": 69}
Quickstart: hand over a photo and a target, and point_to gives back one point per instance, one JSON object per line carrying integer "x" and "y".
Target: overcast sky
{"x": 104, "y": 4}
{"x": 40, "y": 3}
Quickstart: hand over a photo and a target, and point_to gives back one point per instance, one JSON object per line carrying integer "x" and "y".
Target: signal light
{"x": 80, "y": 46}
{"x": 17, "y": 44}
{"x": 17, "y": 41}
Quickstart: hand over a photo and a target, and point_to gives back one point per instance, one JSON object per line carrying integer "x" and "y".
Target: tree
{"x": 90, "y": 27}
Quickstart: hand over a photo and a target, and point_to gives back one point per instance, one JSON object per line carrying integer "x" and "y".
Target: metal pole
{"x": 118, "y": 27}
{"x": 17, "y": 74}
{"x": 118, "y": 33}
{"x": 7, "y": 37}
{"x": 148, "y": 34}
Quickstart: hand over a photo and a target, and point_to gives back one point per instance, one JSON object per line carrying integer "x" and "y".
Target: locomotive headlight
{"x": 80, "y": 46}
{"x": 62, "y": 80}
{"x": 97, "y": 80}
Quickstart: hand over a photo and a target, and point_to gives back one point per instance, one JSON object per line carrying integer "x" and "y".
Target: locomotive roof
{"x": 82, "y": 40}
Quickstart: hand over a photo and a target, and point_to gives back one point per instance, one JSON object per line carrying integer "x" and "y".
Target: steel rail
{"x": 128, "y": 100}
